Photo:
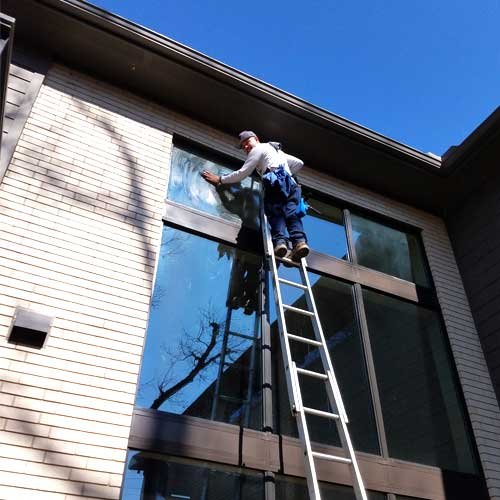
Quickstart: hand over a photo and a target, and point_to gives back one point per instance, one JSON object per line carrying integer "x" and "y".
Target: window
{"x": 324, "y": 226}
{"x": 151, "y": 476}
{"x": 211, "y": 353}
{"x": 423, "y": 415}
{"x": 236, "y": 202}
{"x": 335, "y": 305}
{"x": 388, "y": 250}
{"x": 291, "y": 488}
{"x": 201, "y": 356}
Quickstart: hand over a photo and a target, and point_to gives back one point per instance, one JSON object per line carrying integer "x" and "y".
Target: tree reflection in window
{"x": 236, "y": 202}
{"x": 202, "y": 346}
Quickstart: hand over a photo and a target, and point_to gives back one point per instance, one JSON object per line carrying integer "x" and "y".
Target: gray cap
{"x": 246, "y": 134}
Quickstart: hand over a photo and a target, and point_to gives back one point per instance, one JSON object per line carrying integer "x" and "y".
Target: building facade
{"x": 139, "y": 347}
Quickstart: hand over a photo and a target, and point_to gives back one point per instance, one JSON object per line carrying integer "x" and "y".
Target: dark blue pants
{"x": 280, "y": 212}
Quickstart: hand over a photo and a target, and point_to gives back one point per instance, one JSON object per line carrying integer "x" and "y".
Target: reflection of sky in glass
{"x": 235, "y": 202}
{"x": 325, "y": 230}
{"x": 190, "y": 291}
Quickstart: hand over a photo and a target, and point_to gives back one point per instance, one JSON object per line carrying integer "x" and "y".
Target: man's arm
{"x": 294, "y": 163}
{"x": 247, "y": 168}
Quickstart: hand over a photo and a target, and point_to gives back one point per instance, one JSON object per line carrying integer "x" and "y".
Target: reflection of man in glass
{"x": 281, "y": 193}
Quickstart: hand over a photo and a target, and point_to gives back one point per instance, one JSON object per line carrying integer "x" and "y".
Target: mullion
{"x": 370, "y": 366}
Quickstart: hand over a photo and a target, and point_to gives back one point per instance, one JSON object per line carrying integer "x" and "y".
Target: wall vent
{"x": 29, "y": 328}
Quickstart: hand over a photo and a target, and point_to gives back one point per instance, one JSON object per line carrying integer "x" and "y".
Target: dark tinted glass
{"x": 325, "y": 230}
{"x": 423, "y": 413}
{"x": 202, "y": 347}
{"x": 235, "y": 202}
{"x": 153, "y": 477}
{"x": 388, "y": 250}
{"x": 291, "y": 488}
{"x": 335, "y": 307}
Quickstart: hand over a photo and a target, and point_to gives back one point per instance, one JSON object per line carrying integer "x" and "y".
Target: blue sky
{"x": 424, "y": 73}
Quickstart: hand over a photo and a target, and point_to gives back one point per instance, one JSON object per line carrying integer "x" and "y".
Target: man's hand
{"x": 211, "y": 178}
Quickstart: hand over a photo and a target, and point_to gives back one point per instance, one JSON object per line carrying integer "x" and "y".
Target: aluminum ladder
{"x": 299, "y": 411}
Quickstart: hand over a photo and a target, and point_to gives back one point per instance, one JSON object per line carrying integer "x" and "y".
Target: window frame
{"x": 264, "y": 450}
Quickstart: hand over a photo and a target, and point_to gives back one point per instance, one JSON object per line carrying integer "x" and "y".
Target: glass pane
{"x": 292, "y": 488}
{"x": 151, "y": 476}
{"x": 335, "y": 306}
{"x": 234, "y": 202}
{"x": 388, "y": 250}
{"x": 423, "y": 414}
{"x": 202, "y": 349}
{"x": 325, "y": 230}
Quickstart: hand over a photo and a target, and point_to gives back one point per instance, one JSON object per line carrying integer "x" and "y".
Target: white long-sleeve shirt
{"x": 263, "y": 156}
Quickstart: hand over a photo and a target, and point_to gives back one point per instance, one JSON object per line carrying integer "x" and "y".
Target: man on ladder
{"x": 281, "y": 192}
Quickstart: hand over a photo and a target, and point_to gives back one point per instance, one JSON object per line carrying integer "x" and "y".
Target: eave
{"x": 111, "y": 48}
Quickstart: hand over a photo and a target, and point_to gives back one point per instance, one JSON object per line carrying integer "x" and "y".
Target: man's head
{"x": 248, "y": 140}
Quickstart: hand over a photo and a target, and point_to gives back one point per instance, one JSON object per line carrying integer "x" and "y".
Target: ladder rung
{"x": 309, "y": 373}
{"x": 288, "y": 262}
{"x": 292, "y": 283}
{"x": 305, "y": 340}
{"x": 332, "y": 458}
{"x": 297, "y": 310}
{"x": 243, "y": 336}
{"x": 320, "y": 413}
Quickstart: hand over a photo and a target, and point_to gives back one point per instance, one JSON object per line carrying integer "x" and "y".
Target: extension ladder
{"x": 299, "y": 411}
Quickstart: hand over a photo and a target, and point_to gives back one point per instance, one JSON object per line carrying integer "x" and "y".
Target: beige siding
{"x": 80, "y": 219}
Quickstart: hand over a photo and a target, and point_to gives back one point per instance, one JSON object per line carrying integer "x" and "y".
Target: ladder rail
{"x": 333, "y": 390}
{"x": 338, "y": 412}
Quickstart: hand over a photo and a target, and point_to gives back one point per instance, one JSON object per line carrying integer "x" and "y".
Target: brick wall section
{"x": 475, "y": 232}
{"x": 80, "y": 212}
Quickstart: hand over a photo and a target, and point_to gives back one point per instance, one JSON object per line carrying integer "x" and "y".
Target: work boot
{"x": 280, "y": 250}
{"x": 299, "y": 251}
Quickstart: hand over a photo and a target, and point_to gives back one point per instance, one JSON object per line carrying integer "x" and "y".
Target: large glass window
{"x": 234, "y": 202}
{"x": 203, "y": 351}
{"x": 202, "y": 347}
{"x": 150, "y": 476}
{"x": 336, "y": 310}
{"x": 388, "y": 250}
{"x": 292, "y": 488}
{"x": 423, "y": 413}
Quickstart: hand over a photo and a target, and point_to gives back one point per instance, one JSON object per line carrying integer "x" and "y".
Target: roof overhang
{"x": 151, "y": 65}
